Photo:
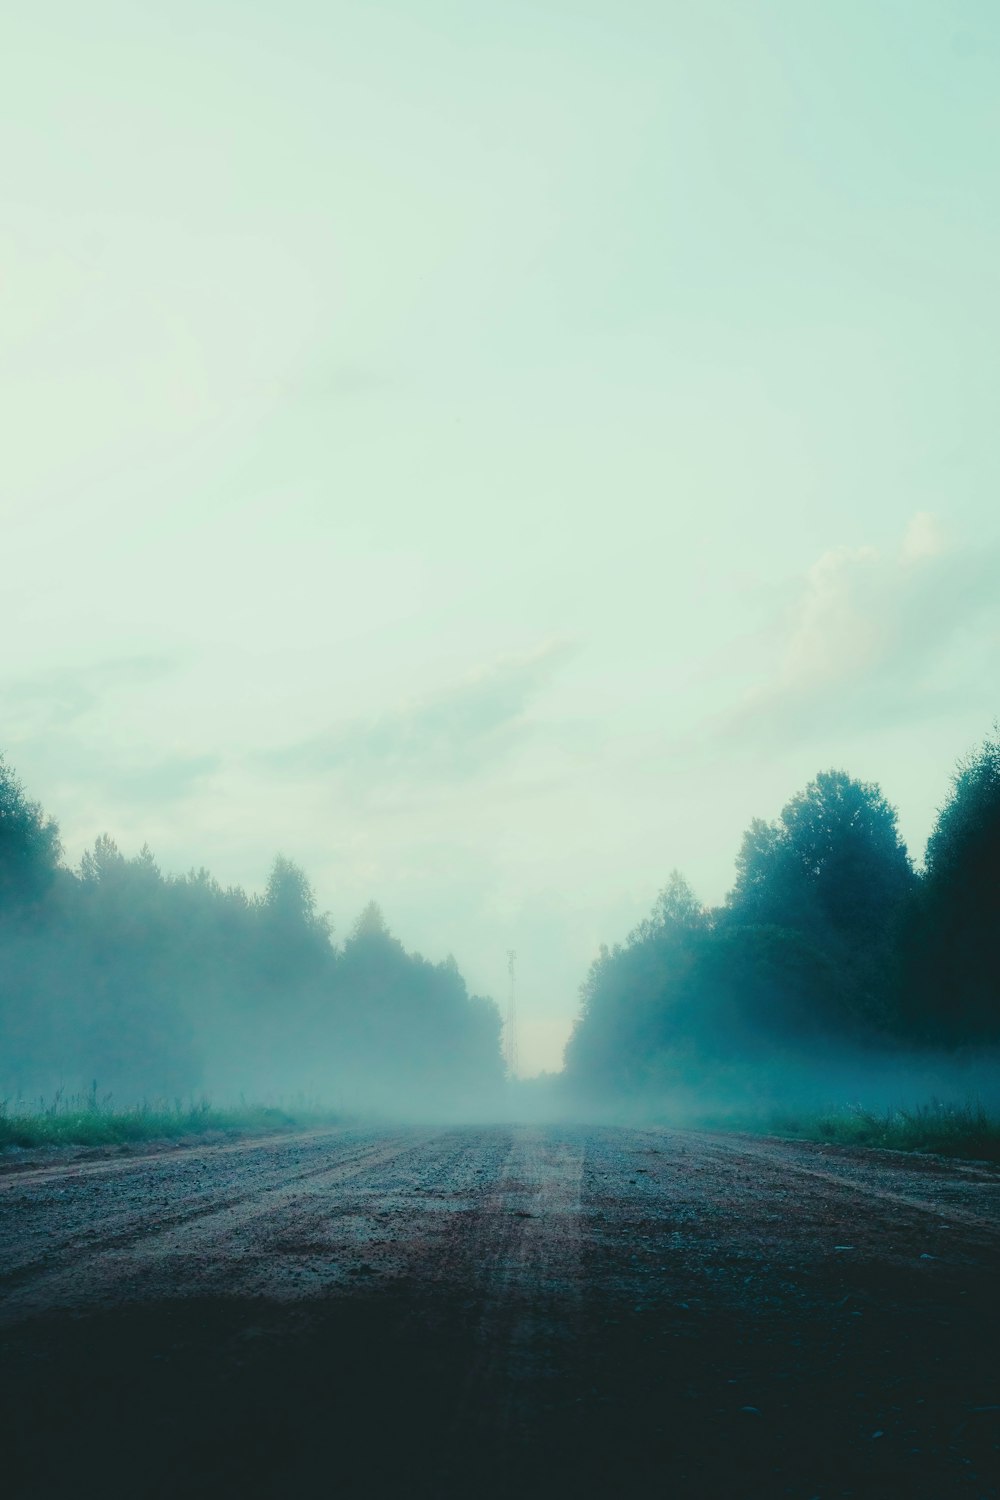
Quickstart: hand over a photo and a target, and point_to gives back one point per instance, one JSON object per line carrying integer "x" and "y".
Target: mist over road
{"x": 505, "y": 1310}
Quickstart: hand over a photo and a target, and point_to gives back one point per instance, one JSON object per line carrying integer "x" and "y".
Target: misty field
{"x": 969, "y": 1131}
{"x": 86, "y": 1120}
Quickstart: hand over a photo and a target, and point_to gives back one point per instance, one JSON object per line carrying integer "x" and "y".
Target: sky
{"x": 489, "y": 454}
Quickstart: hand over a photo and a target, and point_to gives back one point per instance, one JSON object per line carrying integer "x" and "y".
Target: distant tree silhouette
{"x": 290, "y": 898}
{"x": 952, "y": 972}
{"x": 833, "y": 866}
{"x": 834, "y": 870}
{"x": 638, "y": 999}
{"x": 370, "y": 924}
{"x": 157, "y": 984}
{"x": 803, "y": 950}
{"x": 29, "y": 844}
{"x": 104, "y": 863}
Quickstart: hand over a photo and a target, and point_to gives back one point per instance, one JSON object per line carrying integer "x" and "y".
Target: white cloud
{"x": 53, "y": 700}
{"x": 452, "y": 733}
{"x": 876, "y": 639}
{"x": 922, "y": 538}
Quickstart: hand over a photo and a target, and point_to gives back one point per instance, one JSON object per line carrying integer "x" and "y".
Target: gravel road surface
{"x": 518, "y": 1311}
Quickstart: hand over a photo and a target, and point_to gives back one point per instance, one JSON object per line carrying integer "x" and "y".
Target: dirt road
{"x": 517, "y": 1311}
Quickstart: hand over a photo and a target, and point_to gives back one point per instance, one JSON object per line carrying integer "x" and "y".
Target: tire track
{"x": 949, "y": 1196}
{"x": 131, "y": 1254}
{"x": 519, "y": 1256}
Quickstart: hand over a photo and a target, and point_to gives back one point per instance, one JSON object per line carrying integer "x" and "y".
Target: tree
{"x": 834, "y": 863}
{"x": 763, "y": 986}
{"x": 29, "y": 844}
{"x": 953, "y": 959}
{"x": 370, "y": 924}
{"x": 292, "y": 939}
{"x": 677, "y": 910}
{"x": 290, "y": 898}
{"x": 153, "y": 983}
{"x": 640, "y": 1000}
{"x": 965, "y": 843}
{"x": 104, "y": 863}
{"x": 834, "y": 870}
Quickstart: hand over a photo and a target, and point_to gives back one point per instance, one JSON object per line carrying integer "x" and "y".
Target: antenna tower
{"x": 510, "y": 1030}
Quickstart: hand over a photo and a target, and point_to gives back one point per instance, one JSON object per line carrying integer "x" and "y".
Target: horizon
{"x": 550, "y": 1063}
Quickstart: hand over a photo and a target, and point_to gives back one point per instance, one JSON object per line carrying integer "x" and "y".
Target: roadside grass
{"x": 86, "y": 1120}
{"x": 966, "y": 1130}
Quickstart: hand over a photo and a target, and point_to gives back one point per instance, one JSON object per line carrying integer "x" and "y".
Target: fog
{"x": 129, "y": 985}
{"x": 835, "y": 975}
{"x": 786, "y": 1089}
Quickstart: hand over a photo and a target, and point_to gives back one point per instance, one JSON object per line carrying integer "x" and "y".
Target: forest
{"x": 830, "y": 946}
{"x": 119, "y": 979}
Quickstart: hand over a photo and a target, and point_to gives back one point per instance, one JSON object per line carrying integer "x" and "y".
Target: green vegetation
{"x": 166, "y": 986}
{"x": 965, "y": 1130}
{"x": 830, "y": 946}
{"x": 85, "y": 1120}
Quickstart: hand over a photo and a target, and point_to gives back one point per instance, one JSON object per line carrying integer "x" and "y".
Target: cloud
{"x": 452, "y": 734}
{"x": 922, "y": 538}
{"x": 152, "y": 782}
{"x": 119, "y": 783}
{"x": 874, "y": 640}
{"x": 61, "y": 730}
{"x": 59, "y": 698}
{"x": 348, "y": 380}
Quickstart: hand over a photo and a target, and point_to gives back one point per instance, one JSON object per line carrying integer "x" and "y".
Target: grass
{"x": 86, "y": 1120}
{"x": 963, "y": 1130}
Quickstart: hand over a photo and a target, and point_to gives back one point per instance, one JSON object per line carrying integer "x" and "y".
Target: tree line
{"x": 829, "y": 937}
{"x": 159, "y": 986}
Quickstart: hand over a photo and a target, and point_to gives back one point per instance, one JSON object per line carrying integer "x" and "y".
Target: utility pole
{"x": 510, "y": 1030}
